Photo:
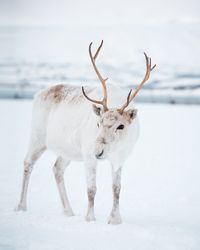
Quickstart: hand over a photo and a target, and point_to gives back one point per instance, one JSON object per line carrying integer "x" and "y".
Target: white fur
{"x": 69, "y": 128}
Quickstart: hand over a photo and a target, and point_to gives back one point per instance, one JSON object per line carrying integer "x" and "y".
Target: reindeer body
{"x": 63, "y": 122}
{"x": 66, "y": 123}
{"x": 68, "y": 127}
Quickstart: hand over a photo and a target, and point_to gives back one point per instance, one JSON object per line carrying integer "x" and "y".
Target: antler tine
{"x": 153, "y": 67}
{"x": 90, "y": 99}
{"x": 126, "y": 104}
{"x": 102, "y": 80}
{"x": 146, "y": 77}
{"x": 97, "y": 52}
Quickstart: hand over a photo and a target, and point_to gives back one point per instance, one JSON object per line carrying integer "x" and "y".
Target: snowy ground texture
{"x": 160, "y": 198}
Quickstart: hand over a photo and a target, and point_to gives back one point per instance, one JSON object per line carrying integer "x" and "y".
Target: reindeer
{"x": 64, "y": 121}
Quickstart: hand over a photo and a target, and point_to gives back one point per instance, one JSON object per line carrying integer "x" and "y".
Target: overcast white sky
{"x": 62, "y": 12}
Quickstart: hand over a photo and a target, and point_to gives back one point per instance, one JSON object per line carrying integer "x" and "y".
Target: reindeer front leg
{"x": 91, "y": 188}
{"x": 115, "y": 217}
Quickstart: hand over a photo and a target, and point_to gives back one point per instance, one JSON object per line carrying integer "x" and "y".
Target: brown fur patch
{"x": 91, "y": 194}
{"x": 55, "y": 93}
{"x": 116, "y": 192}
{"x": 129, "y": 115}
{"x": 62, "y": 92}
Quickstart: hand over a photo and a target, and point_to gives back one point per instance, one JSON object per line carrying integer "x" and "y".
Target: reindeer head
{"x": 113, "y": 124}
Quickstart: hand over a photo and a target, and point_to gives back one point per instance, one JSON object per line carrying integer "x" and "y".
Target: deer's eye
{"x": 120, "y": 126}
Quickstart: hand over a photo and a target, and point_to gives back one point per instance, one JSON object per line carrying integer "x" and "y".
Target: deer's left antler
{"x": 102, "y": 80}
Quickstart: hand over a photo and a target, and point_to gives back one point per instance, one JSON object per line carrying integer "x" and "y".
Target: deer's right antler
{"x": 101, "y": 79}
{"x": 131, "y": 95}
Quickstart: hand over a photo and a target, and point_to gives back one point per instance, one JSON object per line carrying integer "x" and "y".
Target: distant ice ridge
{"x": 33, "y": 58}
{"x": 23, "y": 80}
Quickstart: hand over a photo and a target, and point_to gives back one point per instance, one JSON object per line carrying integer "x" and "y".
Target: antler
{"x": 146, "y": 77}
{"x": 102, "y": 80}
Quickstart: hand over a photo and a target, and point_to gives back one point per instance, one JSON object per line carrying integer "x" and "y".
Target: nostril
{"x": 99, "y": 155}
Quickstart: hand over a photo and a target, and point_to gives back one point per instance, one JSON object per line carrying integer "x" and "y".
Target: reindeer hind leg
{"x": 36, "y": 149}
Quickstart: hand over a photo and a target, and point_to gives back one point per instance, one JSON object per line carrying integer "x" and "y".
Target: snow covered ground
{"x": 160, "y": 198}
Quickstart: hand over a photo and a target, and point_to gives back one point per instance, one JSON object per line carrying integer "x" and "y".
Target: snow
{"x": 33, "y": 57}
{"x": 160, "y": 197}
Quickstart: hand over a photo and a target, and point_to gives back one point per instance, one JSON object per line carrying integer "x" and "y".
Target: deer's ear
{"x": 97, "y": 110}
{"x": 132, "y": 113}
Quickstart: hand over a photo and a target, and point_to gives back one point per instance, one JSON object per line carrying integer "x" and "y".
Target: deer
{"x": 77, "y": 127}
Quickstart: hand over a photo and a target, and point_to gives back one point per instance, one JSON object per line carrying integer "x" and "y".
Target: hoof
{"x": 114, "y": 220}
{"x": 68, "y": 213}
{"x": 89, "y": 218}
{"x": 20, "y": 207}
